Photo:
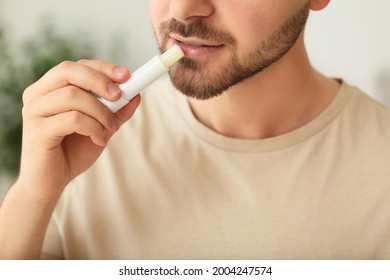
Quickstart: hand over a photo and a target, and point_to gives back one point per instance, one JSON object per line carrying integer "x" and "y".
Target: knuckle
{"x": 83, "y": 61}
{"x": 101, "y": 82}
{"x": 72, "y": 93}
{"x": 108, "y": 67}
{"x": 75, "y": 117}
{"x": 26, "y": 94}
{"x": 64, "y": 65}
{"x": 97, "y": 75}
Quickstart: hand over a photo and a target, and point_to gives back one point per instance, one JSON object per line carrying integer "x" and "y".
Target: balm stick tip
{"x": 171, "y": 56}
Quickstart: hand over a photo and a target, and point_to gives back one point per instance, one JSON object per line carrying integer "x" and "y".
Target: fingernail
{"x": 113, "y": 89}
{"x": 119, "y": 71}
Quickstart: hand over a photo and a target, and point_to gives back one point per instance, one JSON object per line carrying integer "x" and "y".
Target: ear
{"x": 317, "y": 5}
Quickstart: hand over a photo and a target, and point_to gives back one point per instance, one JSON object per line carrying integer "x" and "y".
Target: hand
{"x": 65, "y": 129}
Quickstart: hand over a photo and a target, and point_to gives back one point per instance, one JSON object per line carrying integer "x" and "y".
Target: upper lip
{"x": 196, "y": 42}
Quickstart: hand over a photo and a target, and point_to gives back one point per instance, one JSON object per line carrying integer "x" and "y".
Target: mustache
{"x": 196, "y": 29}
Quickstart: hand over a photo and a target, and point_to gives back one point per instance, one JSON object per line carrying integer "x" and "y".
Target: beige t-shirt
{"x": 167, "y": 187}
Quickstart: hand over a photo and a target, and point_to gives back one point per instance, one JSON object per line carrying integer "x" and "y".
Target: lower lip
{"x": 197, "y": 52}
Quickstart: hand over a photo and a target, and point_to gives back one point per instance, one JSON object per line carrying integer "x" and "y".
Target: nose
{"x": 188, "y": 10}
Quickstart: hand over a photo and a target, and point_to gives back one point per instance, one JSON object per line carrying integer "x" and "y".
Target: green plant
{"x": 20, "y": 68}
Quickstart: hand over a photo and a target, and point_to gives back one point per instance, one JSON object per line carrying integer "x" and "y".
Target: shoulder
{"x": 363, "y": 127}
{"x": 365, "y": 112}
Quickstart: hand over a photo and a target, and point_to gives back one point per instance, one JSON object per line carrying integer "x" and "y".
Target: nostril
{"x": 185, "y": 10}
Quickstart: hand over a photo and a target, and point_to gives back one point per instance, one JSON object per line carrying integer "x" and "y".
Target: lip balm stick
{"x": 144, "y": 76}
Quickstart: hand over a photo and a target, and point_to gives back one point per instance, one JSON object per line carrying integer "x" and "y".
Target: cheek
{"x": 249, "y": 26}
{"x": 255, "y": 21}
{"x": 157, "y": 11}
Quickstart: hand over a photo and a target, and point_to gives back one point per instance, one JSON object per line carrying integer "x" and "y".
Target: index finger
{"x": 76, "y": 74}
{"x": 115, "y": 72}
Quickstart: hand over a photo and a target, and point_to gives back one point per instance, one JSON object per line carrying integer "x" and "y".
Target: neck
{"x": 282, "y": 98}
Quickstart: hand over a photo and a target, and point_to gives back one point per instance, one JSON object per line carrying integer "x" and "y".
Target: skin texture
{"x": 198, "y": 78}
{"x": 64, "y": 131}
{"x": 275, "y": 101}
{"x": 60, "y": 119}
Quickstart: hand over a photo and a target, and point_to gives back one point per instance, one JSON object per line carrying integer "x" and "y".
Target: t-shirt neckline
{"x": 267, "y": 144}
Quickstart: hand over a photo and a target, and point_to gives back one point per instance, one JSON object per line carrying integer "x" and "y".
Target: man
{"x": 260, "y": 157}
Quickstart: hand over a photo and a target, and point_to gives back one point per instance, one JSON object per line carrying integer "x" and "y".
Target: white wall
{"x": 351, "y": 39}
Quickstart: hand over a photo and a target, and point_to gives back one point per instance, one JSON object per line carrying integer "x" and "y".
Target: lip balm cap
{"x": 171, "y": 56}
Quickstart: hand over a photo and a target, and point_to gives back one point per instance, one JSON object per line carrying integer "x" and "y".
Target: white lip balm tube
{"x": 144, "y": 76}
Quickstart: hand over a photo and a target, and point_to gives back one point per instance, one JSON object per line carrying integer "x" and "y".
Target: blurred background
{"x": 350, "y": 39}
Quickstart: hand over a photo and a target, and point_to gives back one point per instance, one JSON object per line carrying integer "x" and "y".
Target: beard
{"x": 189, "y": 75}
